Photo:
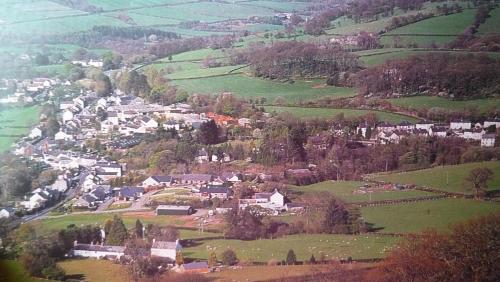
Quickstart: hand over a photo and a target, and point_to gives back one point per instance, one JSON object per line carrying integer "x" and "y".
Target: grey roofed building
{"x": 173, "y": 210}
{"x": 195, "y": 266}
{"x": 163, "y": 178}
{"x": 217, "y": 189}
{"x": 194, "y": 177}
{"x": 164, "y": 245}
{"x": 129, "y": 192}
{"x": 99, "y": 248}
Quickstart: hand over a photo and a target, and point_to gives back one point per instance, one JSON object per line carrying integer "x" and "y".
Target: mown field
{"x": 491, "y": 26}
{"x": 333, "y": 246}
{"x": 330, "y": 113}
{"x": 16, "y": 122}
{"x": 95, "y": 270}
{"x": 252, "y": 87}
{"x": 444, "y": 178}
{"x": 344, "y": 191}
{"x": 427, "y": 102}
{"x": 440, "y": 30}
{"x": 415, "y": 217}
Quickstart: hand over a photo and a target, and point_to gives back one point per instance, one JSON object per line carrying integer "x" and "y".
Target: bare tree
{"x": 478, "y": 180}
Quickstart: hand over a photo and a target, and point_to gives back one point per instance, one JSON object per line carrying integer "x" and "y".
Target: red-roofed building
{"x": 221, "y": 119}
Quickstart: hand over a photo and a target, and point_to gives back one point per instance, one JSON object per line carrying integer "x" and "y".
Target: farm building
{"x": 165, "y": 249}
{"x": 195, "y": 267}
{"x": 97, "y": 251}
{"x": 173, "y": 210}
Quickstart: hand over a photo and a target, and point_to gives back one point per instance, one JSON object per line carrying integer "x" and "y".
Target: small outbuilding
{"x": 174, "y": 210}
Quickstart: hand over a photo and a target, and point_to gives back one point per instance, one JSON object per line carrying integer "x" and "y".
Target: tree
{"x": 138, "y": 229}
{"x": 41, "y": 59}
{"x": 212, "y": 260}
{"x": 103, "y": 85}
{"x": 117, "y": 232}
{"x": 312, "y": 260}
{"x": 229, "y": 257}
{"x": 478, "y": 179}
{"x": 291, "y": 259}
{"x": 179, "y": 258}
{"x": 209, "y": 133}
{"x": 134, "y": 83}
{"x": 52, "y": 126}
{"x": 139, "y": 265}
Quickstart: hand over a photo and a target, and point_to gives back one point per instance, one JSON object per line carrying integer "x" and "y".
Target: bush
{"x": 229, "y": 257}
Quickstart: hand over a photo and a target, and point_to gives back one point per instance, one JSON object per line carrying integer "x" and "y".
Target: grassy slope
{"x": 344, "y": 190}
{"x": 415, "y": 217}
{"x": 95, "y": 270}
{"x": 492, "y": 23}
{"x": 206, "y": 72}
{"x": 437, "y": 177}
{"x": 442, "y": 29}
{"x": 251, "y": 87}
{"x": 329, "y": 113}
{"x": 10, "y": 119}
{"x": 334, "y": 246}
{"x": 419, "y": 102}
{"x": 12, "y": 271}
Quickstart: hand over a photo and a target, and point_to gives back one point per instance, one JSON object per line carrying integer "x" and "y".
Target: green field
{"x": 333, "y": 246}
{"x": 16, "y": 122}
{"x": 344, "y": 191}
{"x": 206, "y": 72}
{"x": 491, "y": 26}
{"x": 252, "y": 87}
{"x": 12, "y": 271}
{"x": 418, "y": 102}
{"x": 330, "y": 113}
{"x": 95, "y": 270}
{"x": 442, "y": 29}
{"x": 445, "y": 178}
{"x": 415, "y": 217}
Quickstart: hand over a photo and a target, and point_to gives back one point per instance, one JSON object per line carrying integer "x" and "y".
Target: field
{"x": 418, "y": 102}
{"x": 343, "y": 190}
{"x": 15, "y": 123}
{"x": 442, "y": 29}
{"x": 251, "y": 87}
{"x": 333, "y": 246}
{"x": 94, "y": 270}
{"x": 445, "y": 178}
{"x": 206, "y": 72}
{"x": 12, "y": 271}
{"x": 492, "y": 23}
{"x": 415, "y": 217}
{"x": 330, "y": 113}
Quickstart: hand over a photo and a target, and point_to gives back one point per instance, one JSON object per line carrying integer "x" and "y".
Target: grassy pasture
{"x": 252, "y": 87}
{"x": 206, "y": 72}
{"x": 419, "y": 102}
{"x": 441, "y": 29}
{"x": 268, "y": 273}
{"x": 333, "y": 246}
{"x": 492, "y": 23}
{"x": 344, "y": 191}
{"x": 17, "y": 122}
{"x": 330, "y": 113}
{"x": 417, "y": 216}
{"x": 445, "y": 178}
{"x": 95, "y": 270}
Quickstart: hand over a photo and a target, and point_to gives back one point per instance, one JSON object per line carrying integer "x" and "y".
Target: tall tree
{"x": 117, "y": 232}
{"x": 291, "y": 258}
{"x": 209, "y": 133}
{"x": 478, "y": 179}
{"x": 139, "y": 229}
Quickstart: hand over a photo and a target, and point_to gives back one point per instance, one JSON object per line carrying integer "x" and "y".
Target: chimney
{"x": 75, "y": 243}
{"x": 154, "y": 240}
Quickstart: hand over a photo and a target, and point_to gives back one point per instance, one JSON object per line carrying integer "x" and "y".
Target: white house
{"x": 60, "y": 184}
{"x": 149, "y": 123}
{"x": 274, "y": 201}
{"x": 110, "y": 167}
{"x": 37, "y": 200}
{"x": 6, "y": 212}
{"x": 165, "y": 249}
{"x": 67, "y": 116}
{"x": 424, "y": 125}
{"x": 473, "y": 134}
{"x": 405, "y": 126}
{"x": 158, "y": 180}
{"x": 61, "y": 135}
{"x": 488, "y": 140}
{"x": 35, "y": 133}
{"x": 97, "y": 251}
{"x": 460, "y": 124}
{"x": 490, "y": 122}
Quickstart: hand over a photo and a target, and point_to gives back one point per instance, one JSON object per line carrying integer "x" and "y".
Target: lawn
{"x": 206, "y": 72}
{"x": 330, "y": 113}
{"x": 442, "y": 29}
{"x": 418, "y": 102}
{"x": 95, "y": 270}
{"x": 268, "y": 273}
{"x": 333, "y": 246}
{"x": 445, "y": 178}
{"x": 16, "y": 122}
{"x": 344, "y": 191}
{"x": 417, "y": 216}
{"x": 13, "y": 271}
{"x": 252, "y": 87}
{"x": 118, "y": 206}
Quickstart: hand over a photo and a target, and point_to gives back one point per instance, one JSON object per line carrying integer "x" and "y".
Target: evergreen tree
{"x": 179, "y": 258}
{"x": 291, "y": 259}
{"x": 138, "y": 229}
{"x": 212, "y": 260}
{"x": 117, "y": 232}
{"x": 312, "y": 260}
{"x": 229, "y": 257}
